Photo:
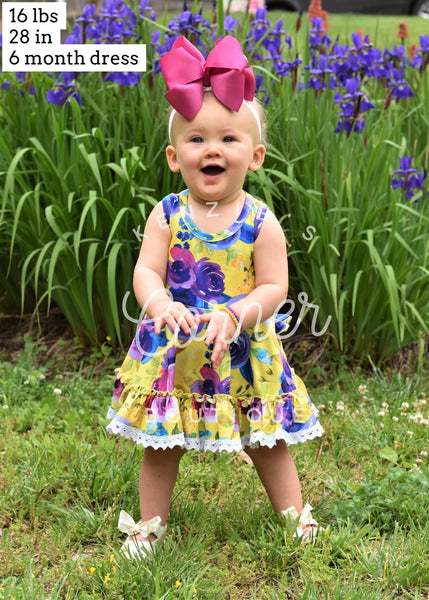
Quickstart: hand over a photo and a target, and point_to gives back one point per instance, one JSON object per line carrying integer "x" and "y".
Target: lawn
{"x": 64, "y": 480}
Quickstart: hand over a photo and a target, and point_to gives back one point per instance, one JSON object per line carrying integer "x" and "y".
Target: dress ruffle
{"x": 222, "y": 423}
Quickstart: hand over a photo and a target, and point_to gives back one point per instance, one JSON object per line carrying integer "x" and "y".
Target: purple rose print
{"x": 181, "y": 268}
{"x": 240, "y": 350}
{"x": 285, "y": 413}
{"x": 205, "y": 410}
{"x": 165, "y": 382}
{"x": 209, "y": 280}
{"x": 118, "y": 387}
{"x": 255, "y": 411}
{"x": 146, "y": 343}
{"x": 164, "y": 408}
{"x": 210, "y": 383}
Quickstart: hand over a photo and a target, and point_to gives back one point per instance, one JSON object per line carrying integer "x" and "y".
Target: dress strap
{"x": 259, "y": 217}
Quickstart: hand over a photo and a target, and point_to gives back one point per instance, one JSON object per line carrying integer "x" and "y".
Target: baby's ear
{"x": 172, "y": 161}
{"x": 258, "y": 158}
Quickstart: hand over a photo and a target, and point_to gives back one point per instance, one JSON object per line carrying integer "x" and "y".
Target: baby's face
{"x": 215, "y": 150}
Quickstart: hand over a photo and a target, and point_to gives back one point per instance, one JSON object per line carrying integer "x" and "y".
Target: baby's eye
{"x": 228, "y": 138}
{"x": 197, "y": 139}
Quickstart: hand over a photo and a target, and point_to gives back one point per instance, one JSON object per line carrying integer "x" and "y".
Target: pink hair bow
{"x": 225, "y": 71}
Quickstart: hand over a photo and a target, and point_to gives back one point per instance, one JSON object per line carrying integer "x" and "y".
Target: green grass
{"x": 63, "y": 482}
{"x": 382, "y": 29}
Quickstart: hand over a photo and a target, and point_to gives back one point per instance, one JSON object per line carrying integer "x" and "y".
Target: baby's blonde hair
{"x": 259, "y": 109}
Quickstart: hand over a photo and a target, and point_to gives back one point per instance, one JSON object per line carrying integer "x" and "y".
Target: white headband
{"x": 245, "y": 102}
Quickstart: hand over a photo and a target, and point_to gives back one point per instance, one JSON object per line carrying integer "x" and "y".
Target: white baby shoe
{"x": 134, "y": 548}
{"x": 307, "y": 528}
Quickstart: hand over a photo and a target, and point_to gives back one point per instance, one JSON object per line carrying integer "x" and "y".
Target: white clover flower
{"x": 321, "y": 407}
{"x": 417, "y": 418}
{"x": 424, "y": 422}
{"x": 57, "y": 391}
{"x": 5, "y": 407}
{"x": 410, "y": 433}
{"x": 423, "y": 453}
{"x": 363, "y": 388}
{"x": 419, "y": 460}
{"x": 405, "y": 406}
{"x": 381, "y": 413}
{"x": 340, "y": 406}
{"x": 385, "y": 405}
{"x": 395, "y": 419}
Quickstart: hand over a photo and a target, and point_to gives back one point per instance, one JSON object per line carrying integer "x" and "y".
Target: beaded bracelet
{"x": 232, "y": 314}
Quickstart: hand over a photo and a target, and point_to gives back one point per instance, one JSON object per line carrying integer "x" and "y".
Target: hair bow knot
{"x": 187, "y": 73}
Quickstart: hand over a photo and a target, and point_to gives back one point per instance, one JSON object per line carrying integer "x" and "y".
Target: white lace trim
{"x": 202, "y": 444}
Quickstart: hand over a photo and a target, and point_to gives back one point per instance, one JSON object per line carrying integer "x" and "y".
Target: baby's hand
{"x": 175, "y": 315}
{"x": 221, "y": 329}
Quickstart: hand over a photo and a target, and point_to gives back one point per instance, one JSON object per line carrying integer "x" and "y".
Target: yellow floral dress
{"x": 167, "y": 393}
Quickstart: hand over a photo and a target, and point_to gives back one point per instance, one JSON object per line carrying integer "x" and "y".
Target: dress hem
{"x": 180, "y": 440}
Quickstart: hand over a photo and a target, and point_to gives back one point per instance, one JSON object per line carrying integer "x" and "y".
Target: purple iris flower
{"x": 380, "y": 68}
{"x": 75, "y": 37}
{"x": 88, "y": 13}
{"x": 230, "y": 25}
{"x": 339, "y": 61}
{"x": 124, "y": 78}
{"x": 317, "y": 37}
{"x": 188, "y": 25}
{"x": 400, "y": 87}
{"x": 408, "y": 179}
{"x": 23, "y": 78}
{"x": 424, "y": 51}
{"x": 353, "y": 104}
{"x": 145, "y": 7}
{"x": 64, "y": 90}
{"x": 258, "y": 27}
{"x": 273, "y": 41}
{"x": 320, "y": 69}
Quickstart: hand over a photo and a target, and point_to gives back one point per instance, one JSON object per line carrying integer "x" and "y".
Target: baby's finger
{"x": 204, "y": 317}
{"x": 164, "y": 319}
{"x": 220, "y": 348}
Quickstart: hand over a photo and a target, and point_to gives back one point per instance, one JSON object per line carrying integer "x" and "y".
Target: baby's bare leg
{"x": 277, "y": 471}
{"x": 158, "y": 474}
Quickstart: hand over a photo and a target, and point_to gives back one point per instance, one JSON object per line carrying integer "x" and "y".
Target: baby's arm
{"x": 150, "y": 274}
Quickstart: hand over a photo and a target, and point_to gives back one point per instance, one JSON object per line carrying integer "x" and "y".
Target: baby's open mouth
{"x": 213, "y": 170}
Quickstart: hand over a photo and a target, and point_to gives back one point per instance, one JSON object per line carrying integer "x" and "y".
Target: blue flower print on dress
{"x": 285, "y": 413}
{"x": 146, "y": 343}
{"x": 263, "y": 356}
{"x": 239, "y": 350}
{"x": 209, "y": 281}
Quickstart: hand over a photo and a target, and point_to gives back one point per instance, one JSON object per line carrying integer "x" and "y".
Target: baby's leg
{"x": 158, "y": 474}
{"x": 277, "y": 471}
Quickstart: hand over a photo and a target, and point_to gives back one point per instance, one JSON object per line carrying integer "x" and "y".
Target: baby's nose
{"x": 213, "y": 148}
